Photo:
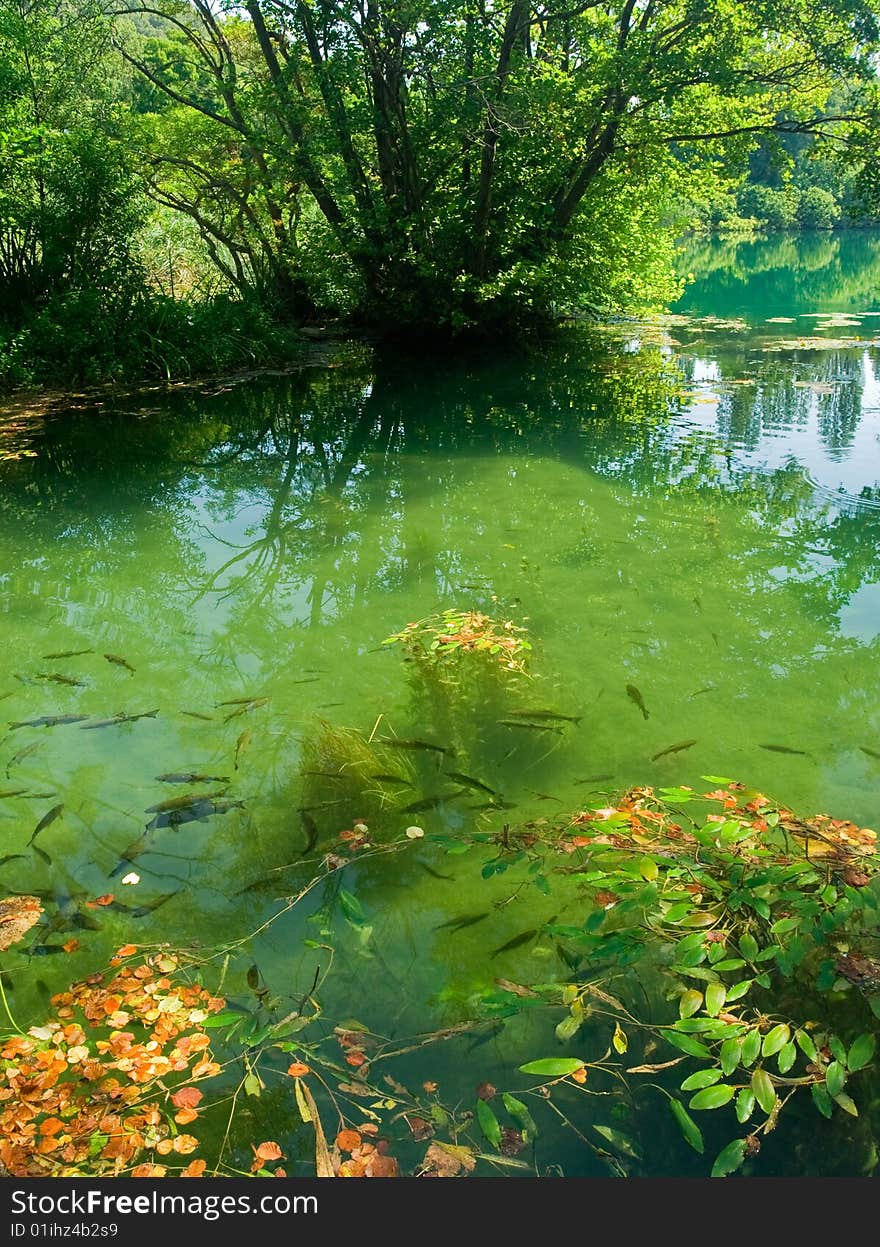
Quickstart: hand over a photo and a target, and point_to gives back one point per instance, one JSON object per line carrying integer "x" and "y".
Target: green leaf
{"x": 861, "y": 1052}
{"x": 556, "y": 1066}
{"x": 729, "y": 963}
{"x": 223, "y": 1019}
{"x": 618, "y": 1140}
{"x": 619, "y": 1041}
{"x": 689, "y": 1002}
{"x": 846, "y": 1103}
{"x": 745, "y": 1104}
{"x": 702, "y": 1078}
{"x": 712, "y": 1097}
{"x": 716, "y": 994}
{"x": 835, "y": 1077}
{"x": 731, "y": 1054}
{"x": 786, "y": 1058}
{"x": 785, "y": 924}
{"x": 822, "y": 1100}
{"x": 751, "y": 1047}
{"x": 688, "y": 1127}
{"x": 687, "y": 1043}
{"x": 748, "y": 946}
{"x": 351, "y": 907}
{"x": 729, "y": 1158}
{"x": 837, "y": 1049}
{"x": 252, "y": 1084}
{"x": 519, "y": 1112}
{"x": 489, "y": 1123}
{"x": 738, "y": 990}
{"x": 568, "y": 1028}
{"x": 806, "y": 1045}
{"x": 648, "y": 869}
{"x": 775, "y": 1039}
{"x": 765, "y": 1092}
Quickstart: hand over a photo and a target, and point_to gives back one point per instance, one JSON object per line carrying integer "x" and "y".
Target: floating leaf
{"x": 731, "y": 1053}
{"x": 712, "y": 1097}
{"x": 619, "y": 1041}
{"x": 687, "y": 1043}
{"x": 568, "y": 1028}
{"x": 552, "y": 1067}
{"x": 765, "y": 1092}
{"x": 702, "y": 1078}
{"x": 861, "y": 1052}
{"x": 618, "y": 1141}
{"x": 786, "y": 1058}
{"x": 835, "y": 1077}
{"x": 775, "y": 1039}
{"x": 489, "y": 1123}
{"x": 689, "y": 1128}
{"x": 729, "y": 1158}
{"x": 745, "y": 1104}
{"x": 520, "y": 1113}
{"x": 716, "y": 994}
{"x": 689, "y": 1002}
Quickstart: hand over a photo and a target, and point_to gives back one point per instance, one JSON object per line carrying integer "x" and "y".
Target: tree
{"x": 457, "y": 161}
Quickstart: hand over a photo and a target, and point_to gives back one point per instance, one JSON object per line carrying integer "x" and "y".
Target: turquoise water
{"x": 690, "y": 507}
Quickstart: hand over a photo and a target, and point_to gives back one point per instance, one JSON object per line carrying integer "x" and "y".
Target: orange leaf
{"x": 194, "y": 1169}
{"x": 184, "y": 1144}
{"x": 126, "y": 951}
{"x": 17, "y": 915}
{"x": 107, "y": 899}
{"x": 356, "y": 1058}
{"x": 348, "y": 1140}
{"x": 185, "y": 1116}
{"x": 71, "y": 946}
{"x": 298, "y": 1069}
{"x": 154, "y": 1171}
{"x": 187, "y": 1097}
{"x": 268, "y": 1151}
{"x": 351, "y": 1169}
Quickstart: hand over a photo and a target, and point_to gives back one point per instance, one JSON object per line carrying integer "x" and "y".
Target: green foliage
{"x": 818, "y": 209}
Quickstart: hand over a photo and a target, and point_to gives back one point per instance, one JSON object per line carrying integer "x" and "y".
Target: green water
{"x": 690, "y": 508}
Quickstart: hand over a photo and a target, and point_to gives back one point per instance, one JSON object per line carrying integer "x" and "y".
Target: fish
{"x": 698, "y": 604}
{"x": 594, "y": 779}
{"x": 491, "y": 1031}
{"x": 312, "y": 679}
{"x": 11, "y": 693}
{"x": 197, "y": 714}
{"x": 241, "y": 745}
{"x": 710, "y": 688}
{"x": 872, "y": 753}
{"x": 470, "y": 782}
{"x": 180, "y": 803}
{"x": 68, "y": 653}
{"x": 311, "y": 829}
{"x": 428, "y": 803}
{"x": 43, "y": 950}
{"x": 57, "y": 678}
{"x": 198, "y": 811}
{"x": 22, "y": 754}
{"x": 494, "y": 804}
{"x": 240, "y": 701}
{"x": 635, "y": 696}
{"x": 141, "y": 910}
{"x": 397, "y": 743}
{"x": 435, "y": 874}
{"x": 50, "y": 720}
{"x": 537, "y": 727}
{"x": 522, "y": 938}
{"x": 784, "y": 749}
{"x": 10, "y": 857}
{"x": 133, "y": 851}
{"x": 547, "y": 714}
{"x": 119, "y": 662}
{"x": 391, "y": 779}
{"x": 11, "y": 792}
{"x": 459, "y": 924}
{"x": 248, "y": 706}
{"x": 119, "y": 718}
{"x": 46, "y": 821}
{"x": 42, "y": 854}
{"x": 678, "y": 747}
{"x": 191, "y": 777}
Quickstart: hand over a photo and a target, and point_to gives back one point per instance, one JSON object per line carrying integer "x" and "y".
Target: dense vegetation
{"x": 182, "y": 179}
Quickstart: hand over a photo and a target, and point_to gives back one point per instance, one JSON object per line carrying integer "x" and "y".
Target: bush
{"x": 774, "y": 209}
{"x": 818, "y": 209}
